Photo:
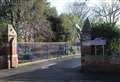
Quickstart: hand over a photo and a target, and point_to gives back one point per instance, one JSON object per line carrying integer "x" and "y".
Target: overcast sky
{"x": 60, "y": 4}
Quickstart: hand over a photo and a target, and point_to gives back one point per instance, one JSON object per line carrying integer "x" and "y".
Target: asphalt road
{"x": 54, "y": 71}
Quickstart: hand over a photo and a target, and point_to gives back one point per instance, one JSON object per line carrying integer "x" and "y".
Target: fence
{"x": 44, "y": 50}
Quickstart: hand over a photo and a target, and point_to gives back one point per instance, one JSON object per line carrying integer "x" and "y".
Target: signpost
{"x": 96, "y": 42}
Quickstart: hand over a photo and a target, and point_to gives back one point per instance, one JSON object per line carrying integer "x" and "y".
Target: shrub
{"x": 111, "y": 33}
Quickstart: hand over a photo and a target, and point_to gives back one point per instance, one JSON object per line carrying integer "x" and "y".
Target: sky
{"x": 60, "y": 4}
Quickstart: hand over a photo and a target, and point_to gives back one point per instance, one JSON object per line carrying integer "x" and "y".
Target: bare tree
{"x": 110, "y": 12}
{"x": 79, "y": 9}
{"x": 29, "y": 22}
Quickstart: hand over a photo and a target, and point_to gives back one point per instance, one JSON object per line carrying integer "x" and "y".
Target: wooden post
{"x": 95, "y": 51}
{"x": 103, "y": 50}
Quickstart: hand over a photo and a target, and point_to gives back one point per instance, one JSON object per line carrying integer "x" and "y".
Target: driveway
{"x": 57, "y": 71}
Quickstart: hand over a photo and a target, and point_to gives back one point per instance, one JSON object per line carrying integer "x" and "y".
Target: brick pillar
{"x": 12, "y": 40}
{"x": 13, "y": 55}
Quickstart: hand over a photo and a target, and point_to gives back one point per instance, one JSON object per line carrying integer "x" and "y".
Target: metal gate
{"x": 32, "y": 51}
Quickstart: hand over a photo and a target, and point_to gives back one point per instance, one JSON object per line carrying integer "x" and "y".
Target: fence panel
{"x": 43, "y": 50}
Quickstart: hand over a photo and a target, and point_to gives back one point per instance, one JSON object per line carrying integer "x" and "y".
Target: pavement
{"x": 67, "y": 70}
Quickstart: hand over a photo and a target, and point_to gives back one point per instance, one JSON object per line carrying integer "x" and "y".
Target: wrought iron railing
{"x": 28, "y": 51}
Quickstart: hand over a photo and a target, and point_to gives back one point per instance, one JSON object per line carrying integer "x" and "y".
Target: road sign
{"x": 96, "y": 41}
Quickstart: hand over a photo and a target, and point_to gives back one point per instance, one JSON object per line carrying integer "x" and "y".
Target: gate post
{"x": 12, "y": 49}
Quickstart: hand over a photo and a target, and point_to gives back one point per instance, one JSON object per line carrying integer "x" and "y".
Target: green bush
{"x": 3, "y": 34}
{"x": 109, "y": 32}
{"x": 72, "y": 51}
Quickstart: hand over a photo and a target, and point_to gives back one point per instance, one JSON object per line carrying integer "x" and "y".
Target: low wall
{"x": 101, "y": 63}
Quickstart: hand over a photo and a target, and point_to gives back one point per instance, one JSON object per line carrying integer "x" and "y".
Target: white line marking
{"x": 48, "y": 65}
